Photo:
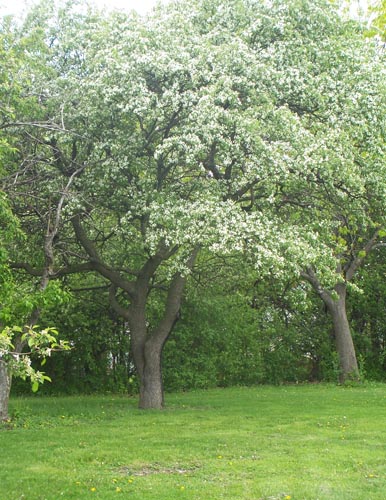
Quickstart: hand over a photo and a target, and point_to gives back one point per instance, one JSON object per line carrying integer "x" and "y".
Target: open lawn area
{"x": 316, "y": 442}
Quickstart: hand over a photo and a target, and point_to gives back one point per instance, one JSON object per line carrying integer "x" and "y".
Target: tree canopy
{"x": 139, "y": 144}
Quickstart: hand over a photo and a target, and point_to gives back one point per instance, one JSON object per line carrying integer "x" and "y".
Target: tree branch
{"x": 90, "y": 288}
{"x": 27, "y": 267}
{"x": 173, "y": 303}
{"x": 310, "y": 276}
{"x": 98, "y": 265}
{"x": 352, "y": 267}
{"x": 118, "y": 308}
{"x": 71, "y": 269}
{"x": 44, "y": 125}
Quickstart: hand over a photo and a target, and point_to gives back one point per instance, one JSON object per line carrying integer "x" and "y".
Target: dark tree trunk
{"x": 348, "y": 365}
{"x": 147, "y": 346}
{"x": 146, "y": 343}
{"x": 5, "y": 389}
{"x": 151, "y": 394}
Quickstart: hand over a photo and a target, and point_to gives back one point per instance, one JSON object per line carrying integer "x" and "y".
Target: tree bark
{"x": 348, "y": 365}
{"x": 5, "y": 389}
{"x": 147, "y": 346}
{"x": 151, "y": 393}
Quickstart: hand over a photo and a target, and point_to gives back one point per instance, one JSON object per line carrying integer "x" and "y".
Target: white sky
{"x": 17, "y": 7}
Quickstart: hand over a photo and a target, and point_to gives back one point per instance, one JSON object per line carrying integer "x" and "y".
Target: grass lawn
{"x": 315, "y": 442}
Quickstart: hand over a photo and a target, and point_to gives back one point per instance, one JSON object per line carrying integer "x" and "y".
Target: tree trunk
{"x": 146, "y": 343}
{"x": 348, "y": 366}
{"x": 151, "y": 395}
{"x": 147, "y": 346}
{"x": 147, "y": 356}
{"x": 5, "y": 389}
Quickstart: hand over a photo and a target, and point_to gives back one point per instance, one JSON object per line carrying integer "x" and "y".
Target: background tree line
{"x": 203, "y": 193}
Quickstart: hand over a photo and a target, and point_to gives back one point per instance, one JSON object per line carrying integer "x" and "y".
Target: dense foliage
{"x": 194, "y": 181}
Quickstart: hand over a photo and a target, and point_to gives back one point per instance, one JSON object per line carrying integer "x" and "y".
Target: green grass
{"x": 314, "y": 442}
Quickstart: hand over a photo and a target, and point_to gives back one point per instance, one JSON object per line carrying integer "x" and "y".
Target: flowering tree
{"x": 168, "y": 165}
{"x": 341, "y": 190}
{"x": 232, "y": 127}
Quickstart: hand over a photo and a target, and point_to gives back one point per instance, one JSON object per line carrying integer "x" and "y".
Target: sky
{"x": 17, "y": 7}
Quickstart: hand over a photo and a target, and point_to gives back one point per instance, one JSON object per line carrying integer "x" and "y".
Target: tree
{"x": 152, "y": 190}
{"x": 331, "y": 84}
{"x": 13, "y": 363}
{"x": 188, "y": 132}
{"x": 346, "y": 183}
{"x": 14, "y": 304}
{"x": 23, "y": 59}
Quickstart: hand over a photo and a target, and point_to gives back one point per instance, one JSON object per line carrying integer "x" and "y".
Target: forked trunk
{"x": 5, "y": 389}
{"x": 348, "y": 365}
{"x": 147, "y": 343}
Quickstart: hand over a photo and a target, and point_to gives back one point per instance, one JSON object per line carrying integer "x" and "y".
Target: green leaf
{"x": 35, "y": 386}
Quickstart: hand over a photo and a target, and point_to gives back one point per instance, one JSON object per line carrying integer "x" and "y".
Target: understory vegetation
{"x": 222, "y": 339}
